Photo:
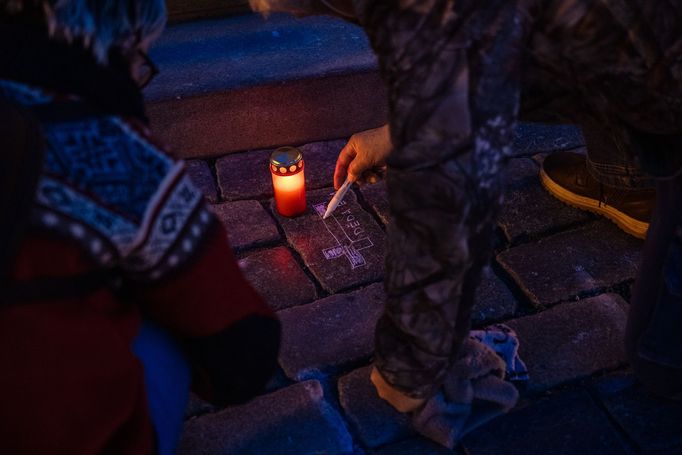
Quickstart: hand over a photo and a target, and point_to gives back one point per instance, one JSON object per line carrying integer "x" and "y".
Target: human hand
{"x": 364, "y": 156}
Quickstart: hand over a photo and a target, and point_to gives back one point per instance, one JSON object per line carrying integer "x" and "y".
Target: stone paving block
{"x": 654, "y": 424}
{"x": 200, "y": 173}
{"x": 244, "y": 175}
{"x": 320, "y": 161}
{"x": 531, "y": 138}
{"x": 494, "y": 300}
{"x": 565, "y": 424}
{"x": 519, "y": 169}
{"x": 416, "y": 446}
{"x": 343, "y": 251}
{"x": 614, "y": 383}
{"x": 277, "y": 277}
{"x": 329, "y": 333}
{"x": 375, "y": 421}
{"x": 539, "y": 158}
{"x": 377, "y": 197}
{"x": 556, "y": 268}
{"x": 529, "y": 210}
{"x": 295, "y": 420}
{"x": 247, "y": 224}
{"x": 572, "y": 340}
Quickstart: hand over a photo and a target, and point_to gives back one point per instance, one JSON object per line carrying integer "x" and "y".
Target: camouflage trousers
{"x": 459, "y": 75}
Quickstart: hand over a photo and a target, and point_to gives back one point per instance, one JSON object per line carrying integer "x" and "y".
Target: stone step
{"x": 184, "y": 10}
{"x": 244, "y": 82}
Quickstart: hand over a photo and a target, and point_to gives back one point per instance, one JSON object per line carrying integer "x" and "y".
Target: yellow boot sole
{"x": 628, "y": 224}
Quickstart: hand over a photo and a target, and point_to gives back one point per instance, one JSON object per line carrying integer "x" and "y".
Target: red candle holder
{"x": 288, "y": 180}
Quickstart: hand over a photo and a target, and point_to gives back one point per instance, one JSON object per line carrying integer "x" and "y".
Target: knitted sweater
{"x": 109, "y": 198}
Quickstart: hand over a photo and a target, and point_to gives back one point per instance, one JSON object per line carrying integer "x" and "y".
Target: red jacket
{"x": 108, "y": 198}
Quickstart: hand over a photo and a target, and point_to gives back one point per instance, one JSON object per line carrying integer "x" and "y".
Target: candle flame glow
{"x": 289, "y": 182}
{"x": 290, "y": 193}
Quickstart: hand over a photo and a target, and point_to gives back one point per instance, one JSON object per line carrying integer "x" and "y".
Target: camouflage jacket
{"x": 459, "y": 74}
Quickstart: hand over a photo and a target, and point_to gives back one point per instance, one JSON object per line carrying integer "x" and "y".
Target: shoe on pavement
{"x": 566, "y": 177}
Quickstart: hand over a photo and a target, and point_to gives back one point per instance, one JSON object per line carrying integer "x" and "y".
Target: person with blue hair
{"x": 117, "y": 284}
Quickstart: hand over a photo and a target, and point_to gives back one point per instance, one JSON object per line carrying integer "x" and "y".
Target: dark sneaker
{"x": 565, "y": 176}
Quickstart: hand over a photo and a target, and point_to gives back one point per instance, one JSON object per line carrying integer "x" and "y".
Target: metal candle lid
{"x": 286, "y": 161}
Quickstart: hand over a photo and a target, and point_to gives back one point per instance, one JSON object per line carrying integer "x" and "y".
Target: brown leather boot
{"x": 566, "y": 177}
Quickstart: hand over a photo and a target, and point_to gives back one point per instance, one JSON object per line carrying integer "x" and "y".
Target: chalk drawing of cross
{"x": 350, "y": 236}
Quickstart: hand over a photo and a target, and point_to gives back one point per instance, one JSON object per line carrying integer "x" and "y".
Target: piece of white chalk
{"x": 338, "y": 197}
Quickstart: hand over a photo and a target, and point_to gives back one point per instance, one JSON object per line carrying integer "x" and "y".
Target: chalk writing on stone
{"x": 351, "y": 238}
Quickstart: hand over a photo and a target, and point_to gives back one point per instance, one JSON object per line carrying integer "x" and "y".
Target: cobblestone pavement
{"x": 561, "y": 278}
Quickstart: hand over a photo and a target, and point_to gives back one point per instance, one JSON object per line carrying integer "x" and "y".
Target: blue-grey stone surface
{"x": 374, "y": 420}
{"x": 376, "y": 196}
{"x": 278, "y": 278}
{"x": 572, "y": 340}
{"x": 329, "y": 333}
{"x": 572, "y": 263}
{"x": 566, "y": 424}
{"x": 493, "y": 301}
{"x": 346, "y": 250}
{"x": 529, "y": 210}
{"x": 532, "y": 138}
{"x": 654, "y": 423}
{"x": 200, "y": 57}
{"x": 245, "y": 175}
{"x": 247, "y": 223}
{"x": 291, "y": 421}
{"x": 244, "y": 82}
{"x": 320, "y": 161}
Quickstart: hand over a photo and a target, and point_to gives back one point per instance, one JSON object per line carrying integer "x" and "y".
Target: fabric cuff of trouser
{"x": 397, "y": 399}
{"x": 167, "y": 380}
{"x": 658, "y": 380}
{"x": 652, "y": 335}
{"x": 660, "y": 341}
{"x": 619, "y": 176}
